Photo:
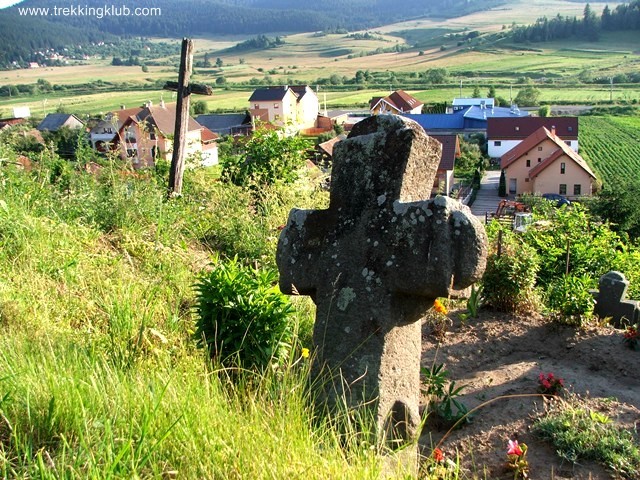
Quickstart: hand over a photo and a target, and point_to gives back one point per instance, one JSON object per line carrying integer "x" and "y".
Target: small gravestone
{"x": 611, "y": 300}
{"x": 374, "y": 262}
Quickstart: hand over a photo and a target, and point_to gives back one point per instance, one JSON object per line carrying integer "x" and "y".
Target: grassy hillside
{"x": 100, "y": 376}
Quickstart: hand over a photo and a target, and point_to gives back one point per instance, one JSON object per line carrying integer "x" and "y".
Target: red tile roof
{"x": 450, "y": 150}
{"x": 399, "y": 99}
{"x": 521, "y": 127}
{"x": 208, "y": 136}
{"x": 535, "y": 139}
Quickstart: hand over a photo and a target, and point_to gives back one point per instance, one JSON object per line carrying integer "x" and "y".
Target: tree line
{"x": 623, "y": 17}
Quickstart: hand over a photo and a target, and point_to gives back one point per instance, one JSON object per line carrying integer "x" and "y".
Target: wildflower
{"x": 514, "y": 448}
{"x": 305, "y": 353}
{"x": 438, "y": 455}
{"x": 550, "y": 384}
{"x": 439, "y": 307}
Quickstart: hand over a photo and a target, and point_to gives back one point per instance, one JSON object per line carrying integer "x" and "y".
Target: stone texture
{"x": 611, "y": 300}
{"x": 374, "y": 262}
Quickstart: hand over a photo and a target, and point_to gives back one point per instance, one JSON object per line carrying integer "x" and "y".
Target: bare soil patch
{"x": 498, "y": 355}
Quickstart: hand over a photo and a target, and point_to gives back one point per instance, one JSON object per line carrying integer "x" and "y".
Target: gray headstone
{"x": 611, "y": 300}
{"x": 374, "y": 262}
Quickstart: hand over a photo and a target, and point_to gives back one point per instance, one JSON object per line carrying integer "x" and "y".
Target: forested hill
{"x": 20, "y": 35}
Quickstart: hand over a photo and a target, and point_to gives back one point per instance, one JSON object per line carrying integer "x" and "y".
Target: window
{"x": 526, "y": 180}
{"x": 539, "y": 159}
{"x": 568, "y": 142}
{"x": 517, "y": 129}
{"x": 497, "y": 143}
{"x": 577, "y": 189}
{"x": 528, "y": 163}
{"x": 152, "y": 135}
{"x": 563, "y": 189}
{"x": 539, "y": 149}
{"x": 256, "y": 106}
{"x": 570, "y": 129}
{"x": 276, "y": 105}
{"x": 563, "y": 168}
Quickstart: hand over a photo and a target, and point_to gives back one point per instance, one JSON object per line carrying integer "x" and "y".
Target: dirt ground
{"x": 499, "y": 355}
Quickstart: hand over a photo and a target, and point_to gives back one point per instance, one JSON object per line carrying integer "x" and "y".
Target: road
{"x": 487, "y": 199}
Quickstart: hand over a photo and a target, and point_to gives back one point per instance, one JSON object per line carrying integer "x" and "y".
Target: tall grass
{"x": 100, "y": 376}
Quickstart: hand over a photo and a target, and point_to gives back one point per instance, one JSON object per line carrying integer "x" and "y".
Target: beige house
{"x": 296, "y": 105}
{"x": 396, "y": 103}
{"x": 544, "y": 163}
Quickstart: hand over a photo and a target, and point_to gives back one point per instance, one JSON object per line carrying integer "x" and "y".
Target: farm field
{"x": 611, "y": 145}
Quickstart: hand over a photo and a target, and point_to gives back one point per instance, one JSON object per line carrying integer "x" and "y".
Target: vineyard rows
{"x": 611, "y": 146}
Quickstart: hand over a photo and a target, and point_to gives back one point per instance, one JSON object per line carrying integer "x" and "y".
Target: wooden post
{"x": 184, "y": 89}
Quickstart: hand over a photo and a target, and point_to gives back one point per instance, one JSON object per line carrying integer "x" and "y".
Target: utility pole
{"x": 610, "y": 89}
{"x": 184, "y": 90}
{"x": 460, "y": 88}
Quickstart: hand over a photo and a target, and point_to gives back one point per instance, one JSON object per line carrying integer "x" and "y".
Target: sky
{"x": 8, "y": 3}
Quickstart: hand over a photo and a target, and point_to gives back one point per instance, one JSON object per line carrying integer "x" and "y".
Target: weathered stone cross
{"x": 374, "y": 262}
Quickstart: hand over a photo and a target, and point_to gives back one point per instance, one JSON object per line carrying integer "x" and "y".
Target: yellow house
{"x": 296, "y": 105}
{"x": 544, "y": 163}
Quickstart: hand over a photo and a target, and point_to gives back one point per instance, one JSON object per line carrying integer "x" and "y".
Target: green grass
{"x": 579, "y": 433}
{"x": 100, "y": 376}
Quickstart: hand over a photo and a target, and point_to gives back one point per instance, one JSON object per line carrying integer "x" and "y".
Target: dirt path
{"x": 499, "y": 355}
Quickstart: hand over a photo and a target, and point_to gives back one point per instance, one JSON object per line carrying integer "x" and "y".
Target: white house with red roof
{"x": 544, "y": 163}
{"x": 504, "y": 134}
{"x": 396, "y": 103}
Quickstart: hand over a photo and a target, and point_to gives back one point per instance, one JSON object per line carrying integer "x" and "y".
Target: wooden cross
{"x": 373, "y": 263}
{"x": 184, "y": 90}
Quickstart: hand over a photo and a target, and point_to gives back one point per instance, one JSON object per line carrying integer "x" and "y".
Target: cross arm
{"x": 197, "y": 88}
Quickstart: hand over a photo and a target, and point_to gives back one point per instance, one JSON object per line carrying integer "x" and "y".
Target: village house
{"x": 396, "y": 103}
{"x": 544, "y": 163}
{"x": 503, "y": 134}
{"x": 462, "y": 103}
{"x": 227, "y": 123}
{"x": 102, "y": 135}
{"x": 145, "y": 134}
{"x": 443, "y": 183}
{"x": 283, "y": 105}
{"x": 55, "y": 121}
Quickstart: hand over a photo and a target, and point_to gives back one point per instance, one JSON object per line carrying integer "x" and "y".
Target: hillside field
{"x": 611, "y": 145}
{"x": 315, "y": 57}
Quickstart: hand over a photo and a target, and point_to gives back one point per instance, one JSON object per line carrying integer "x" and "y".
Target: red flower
{"x": 438, "y": 456}
{"x": 514, "y": 448}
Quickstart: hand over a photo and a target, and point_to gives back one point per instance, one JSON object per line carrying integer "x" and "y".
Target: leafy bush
{"x": 244, "y": 320}
{"x": 269, "y": 157}
{"x": 510, "y": 276}
{"x": 569, "y": 297}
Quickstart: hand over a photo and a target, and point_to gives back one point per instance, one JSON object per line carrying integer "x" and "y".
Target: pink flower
{"x": 514, "y": 448}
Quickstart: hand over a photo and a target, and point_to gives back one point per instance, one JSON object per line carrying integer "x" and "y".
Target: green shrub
{"x": 569, "y": 297}
{"x": 510, "y": 277}
{"x": 244, "y": 319}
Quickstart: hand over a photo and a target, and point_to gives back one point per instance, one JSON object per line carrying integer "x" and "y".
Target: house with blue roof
{"x": 472, "y": 119}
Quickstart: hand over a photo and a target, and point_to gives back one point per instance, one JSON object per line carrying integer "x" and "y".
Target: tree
{"x": 145, "y": 69}
{"x": 219, "y": 62}
{"x": 544, "y": 111}
{"x": 502, "y": 185}
{"x": 528, "y": 96}
{"x": 619, "y": 203}
{"x": 200, "y": 107}
{"x": 476, "y": 92}
{"x": 492, "y": 92}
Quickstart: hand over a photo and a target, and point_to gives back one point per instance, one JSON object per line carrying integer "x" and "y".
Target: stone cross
{"x": 611, "y": 300}
{"x": 373, "y": 263}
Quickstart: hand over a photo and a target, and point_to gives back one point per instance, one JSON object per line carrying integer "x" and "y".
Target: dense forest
{"x": 22, "y": 36}
{"x": 623, "y": 17}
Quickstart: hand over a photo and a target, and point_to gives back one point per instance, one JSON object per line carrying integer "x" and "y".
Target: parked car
{"x": 556, "y": 197}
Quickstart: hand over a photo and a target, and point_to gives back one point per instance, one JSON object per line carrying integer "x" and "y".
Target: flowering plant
{"x": 516, "y": 460}
{"x": 438, "y": 319}
{"x": 549, "y": 384}
{"x": 632, "y": 336}
{"x": 439, "y": 466}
